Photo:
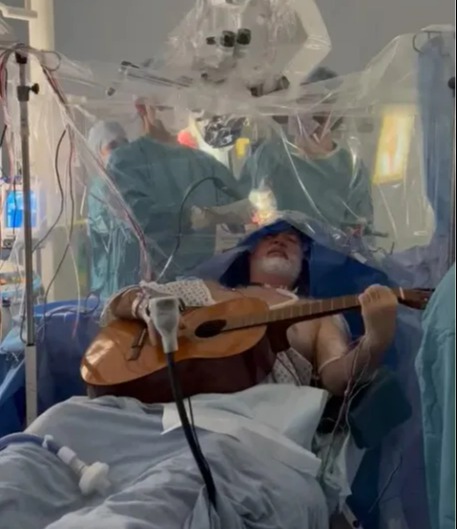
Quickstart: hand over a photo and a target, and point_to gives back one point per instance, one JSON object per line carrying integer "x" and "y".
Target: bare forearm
{"x": 357, "y": 364}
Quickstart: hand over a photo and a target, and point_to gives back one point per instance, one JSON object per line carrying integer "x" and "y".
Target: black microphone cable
{"x": 189, "y": 431}
{"x": 164, "y": 313}
{"x": 220, "y": 186}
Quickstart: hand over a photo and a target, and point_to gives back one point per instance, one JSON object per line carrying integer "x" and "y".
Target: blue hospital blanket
{"x": 156, "y": 484}
{"x": 436, "y": 370}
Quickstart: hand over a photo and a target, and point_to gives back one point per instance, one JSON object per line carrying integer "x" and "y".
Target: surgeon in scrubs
{"x": 313, "y": 174}
{"x": 105, "y": 137}
{"x": 107, "y": 233}
{"x": 435, "y": 366}
{"x": 153, "y": 175}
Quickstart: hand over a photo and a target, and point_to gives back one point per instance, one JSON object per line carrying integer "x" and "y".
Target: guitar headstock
{"x": 415, "y": 299}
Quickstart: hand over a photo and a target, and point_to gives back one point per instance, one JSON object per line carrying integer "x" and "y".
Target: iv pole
{"x": 40, "y": 17}
{"x": 23, "y": 96}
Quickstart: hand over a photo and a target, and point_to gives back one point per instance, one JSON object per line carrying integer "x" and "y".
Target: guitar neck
{"x": 296, "y": 312}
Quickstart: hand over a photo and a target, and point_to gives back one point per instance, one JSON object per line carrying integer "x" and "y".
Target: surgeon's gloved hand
{"x": 379, "y": 312}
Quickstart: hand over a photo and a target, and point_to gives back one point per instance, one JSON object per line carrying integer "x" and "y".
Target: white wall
{"x": 359, "y": 29}
{"x": 114, "y": 30}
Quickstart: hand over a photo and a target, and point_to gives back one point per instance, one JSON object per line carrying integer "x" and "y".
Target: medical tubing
{"x": 21, "y": 438}
{"x": 202, "y": 464}
{"x": 220, "y": 186}
{"x": 91, "y": 477}
{"x": 65, "y": 454}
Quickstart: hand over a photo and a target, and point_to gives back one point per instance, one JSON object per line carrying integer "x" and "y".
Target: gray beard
{"x": 287, "y": 270}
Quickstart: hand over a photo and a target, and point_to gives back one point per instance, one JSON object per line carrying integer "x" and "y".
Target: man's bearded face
{"x": 279, "y": 255}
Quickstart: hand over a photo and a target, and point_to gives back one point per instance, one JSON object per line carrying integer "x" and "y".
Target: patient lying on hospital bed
{"x": 260, "y": 455}
{"x": 317, "y": 348}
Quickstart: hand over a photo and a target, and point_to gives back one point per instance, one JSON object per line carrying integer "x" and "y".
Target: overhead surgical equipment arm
{"x": 256, "y": 47}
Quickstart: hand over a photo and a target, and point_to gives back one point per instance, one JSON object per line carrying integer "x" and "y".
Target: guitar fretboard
{"x": 300, "y": 311}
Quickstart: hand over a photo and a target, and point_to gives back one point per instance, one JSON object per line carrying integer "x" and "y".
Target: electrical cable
{"x": 54, "y": 224}
{"x": 72, "y": 215}
{"x": 352, "y": 389}
{"x": 72, "y": 219}
{"x": 192, "y": 423}
{"x": 164, "y": 314}
{"x": 219, "y": 186}
{"x": 61, "y": 192}
{"x": 2, "y": 138}
{"x": 386, "y": 486}
{"x": 189, "y": 432}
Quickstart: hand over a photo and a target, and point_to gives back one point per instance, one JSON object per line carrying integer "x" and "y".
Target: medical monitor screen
{"x": 13, "y": 208}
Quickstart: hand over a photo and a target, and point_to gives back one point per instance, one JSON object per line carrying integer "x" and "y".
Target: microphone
{"x": 164, "y": 314}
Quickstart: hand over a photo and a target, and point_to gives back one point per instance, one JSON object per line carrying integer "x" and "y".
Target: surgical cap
{"x": 298, "y": 124}
{"x": 105, "y": 132}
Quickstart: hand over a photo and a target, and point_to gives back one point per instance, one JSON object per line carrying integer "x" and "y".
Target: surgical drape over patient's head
{"x": 232, "y": 267}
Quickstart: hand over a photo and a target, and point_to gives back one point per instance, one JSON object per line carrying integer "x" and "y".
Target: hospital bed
{"x": 65, "y": 329}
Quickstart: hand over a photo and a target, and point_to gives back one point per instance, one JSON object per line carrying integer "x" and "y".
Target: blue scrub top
{"x": 153, "y": 178}
{"x": 327, "y": 189}
{"x": 435, "y": 366}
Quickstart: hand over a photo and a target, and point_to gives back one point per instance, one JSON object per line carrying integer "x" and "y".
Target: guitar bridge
{"x": 135, "y": 349}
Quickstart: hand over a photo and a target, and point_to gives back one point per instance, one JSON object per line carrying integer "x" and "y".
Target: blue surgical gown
{"x": 153, "y": 178}
{"x": 435, "y": 366}
{"x": 113, "y": 245}
{"x": 328, "y": 189}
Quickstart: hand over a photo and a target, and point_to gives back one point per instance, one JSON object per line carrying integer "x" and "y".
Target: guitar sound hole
{"x": 210, "y": 328}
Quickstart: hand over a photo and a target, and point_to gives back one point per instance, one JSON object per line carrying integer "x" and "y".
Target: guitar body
{"x": 225, "y": 363}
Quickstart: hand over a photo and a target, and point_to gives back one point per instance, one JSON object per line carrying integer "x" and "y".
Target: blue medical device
{"x": 13, "y": 209}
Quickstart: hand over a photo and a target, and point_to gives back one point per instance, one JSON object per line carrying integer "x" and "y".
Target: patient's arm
{"x": 131, "y": 302}
{"x": 336, "y": 361}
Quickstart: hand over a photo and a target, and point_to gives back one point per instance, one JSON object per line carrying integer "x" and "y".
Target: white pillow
{"x": 278, "y": 420}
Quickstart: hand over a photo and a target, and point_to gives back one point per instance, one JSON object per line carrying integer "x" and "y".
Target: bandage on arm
{"x": 132, "y": 302}
{"x": 126, "y": 304}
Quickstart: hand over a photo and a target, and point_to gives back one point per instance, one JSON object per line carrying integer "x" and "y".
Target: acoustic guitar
{"x": 224, "y": 348}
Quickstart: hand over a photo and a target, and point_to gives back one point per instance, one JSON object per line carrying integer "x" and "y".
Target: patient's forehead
{"x": 290, "y": 238}
{"x": 289, "y": 235}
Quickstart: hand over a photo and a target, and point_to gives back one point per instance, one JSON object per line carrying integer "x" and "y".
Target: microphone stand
{"x": 23, "y": 96}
